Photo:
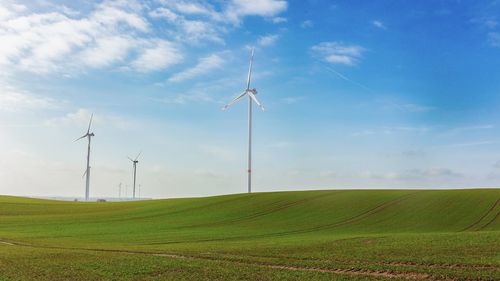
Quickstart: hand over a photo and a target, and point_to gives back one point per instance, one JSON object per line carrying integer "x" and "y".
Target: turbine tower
{"x": 134, "y": 161}
{"x": 89, "y": 136}
{"x": 251, "y": 97}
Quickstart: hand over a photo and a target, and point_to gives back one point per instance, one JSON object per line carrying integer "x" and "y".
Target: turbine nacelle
{"x": 135, "y": 161}
{"x": 251, "y": 93}
{"x": 88, "y": 134}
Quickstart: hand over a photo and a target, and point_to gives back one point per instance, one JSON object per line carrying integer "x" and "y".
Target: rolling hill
{"x": 340, "y": 234}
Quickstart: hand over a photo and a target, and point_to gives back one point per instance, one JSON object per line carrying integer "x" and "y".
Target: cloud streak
{"x": 339, "y": 53}
{"x": 204, "y": 66}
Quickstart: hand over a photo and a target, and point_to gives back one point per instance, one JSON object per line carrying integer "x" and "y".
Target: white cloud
{"x": 392, "y": 131}
{"x": 115, "y": 33}
{"x": 339, "y": 53}
{"x": 203, "y": 66}
{"x": 409, "y": 107}
{"x": 189, "y": 29}
{"x": 475, "y": 143}
{"x": 468, "y": 129}
{"x": 107, "y": 50}
{"x": 54, "y": 41}
{"x": 12, "y": 99}
{"x": 307, "y": 24}
{"x": 279, "y": 20}
{"x": 195, "y": 96}
{"x": 494, "y": 39}
{"x": 292, "y": 100}
{"x": 265, "y": 8}
{"x": 164, "y": 13}
{"x": 81, "y": 118}
{"x": 378, "y": 24}
{"x": 159, "y": 55}
{"x": 423, "y": 174}
{"x": 268, "y": 40}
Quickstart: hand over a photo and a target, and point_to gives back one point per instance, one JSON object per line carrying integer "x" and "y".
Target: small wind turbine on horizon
{"x": 251, "y": 93}
{"x": 135, "y": 161}
{"x": 89, "y": 136}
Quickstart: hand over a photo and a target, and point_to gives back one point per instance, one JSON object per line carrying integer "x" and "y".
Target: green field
{"x": 315, "y": 235}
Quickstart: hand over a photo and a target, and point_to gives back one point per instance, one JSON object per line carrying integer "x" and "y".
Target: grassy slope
{"x": 402, "y": 230}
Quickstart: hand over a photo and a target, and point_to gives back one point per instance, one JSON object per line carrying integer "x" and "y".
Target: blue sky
{"x": 379, "y": 94}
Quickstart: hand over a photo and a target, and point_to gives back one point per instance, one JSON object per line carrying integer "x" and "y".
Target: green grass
{"x": 319, "y": 235}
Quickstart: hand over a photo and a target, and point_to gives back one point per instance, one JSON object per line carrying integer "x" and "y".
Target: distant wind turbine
{"x": 134, "y": 161}
{"x": 251, "y": 97}
{"x": 89, "y": 136}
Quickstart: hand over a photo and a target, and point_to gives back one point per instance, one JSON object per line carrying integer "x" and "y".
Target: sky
{"x": 360, "y": 94}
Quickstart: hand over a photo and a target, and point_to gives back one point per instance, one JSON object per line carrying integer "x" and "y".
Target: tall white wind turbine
{"x": 135, "y": 161}
{"x": 251, "y": 93}
{"x": 89, "y": 136}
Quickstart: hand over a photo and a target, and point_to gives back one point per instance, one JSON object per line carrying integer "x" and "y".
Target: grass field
{"x": 315, "y": 235}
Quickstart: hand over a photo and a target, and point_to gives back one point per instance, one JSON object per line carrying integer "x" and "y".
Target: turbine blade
{"x": 81, "y": 137}
{"x": 90, "y": 123}
{"x": 84, "y": 173}
{"x": 138, "y": 156}
{"x": 250, "y": 69}
{"x": 234, "y": 100}
{"x": 254, "y": 98}
{"x": 130, "y": 159}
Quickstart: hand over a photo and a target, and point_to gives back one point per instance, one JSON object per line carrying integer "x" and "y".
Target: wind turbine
{"x": 134, "y": 161}
{"x": 89, "y": 136}
{"x": 251, "y": 97}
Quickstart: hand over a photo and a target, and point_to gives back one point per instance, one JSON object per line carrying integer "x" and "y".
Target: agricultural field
{"x": 309, "y": 235}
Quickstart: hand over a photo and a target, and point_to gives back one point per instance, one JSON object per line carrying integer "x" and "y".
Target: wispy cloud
{"x": 185, "y": 98}
{"x": 392, "y": 130}
{"x": 307, "y": 24}
{"x": 494, "y": 39}
{"x": 266, "y": 8}
{"x": 466, "y": 129}
{"x": 114, "y": 31}
{"x": 233, "y": 11}
{"x": 408, "y": 107}
{"x": 81, "y": 117}
{"x": 120, "y": 34}
{"x": 475, "y": 143}
{"x": 268, "y": 40}
{"x": 279, "y": 20}
{"x": 292, "y": 100}
{"x": 423, "y": 174}
{"x": 203, "y": 66}
{"x": 12, "y": 99}
{"x": 158, "y": 55}
{"x": 339, "y": 53}
{"x": 378, "y": 24}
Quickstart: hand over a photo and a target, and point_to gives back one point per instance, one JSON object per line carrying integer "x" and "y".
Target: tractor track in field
{"x": 351, "y": 267}
{"x": 262, "y": 213}
{"x": 354, "y": 262}
{"x": 348, "y": 221}
{"x": 489, "y": 211}
{"x": 334, "y": 270}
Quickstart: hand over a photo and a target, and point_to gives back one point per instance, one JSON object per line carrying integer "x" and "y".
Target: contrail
{"x": 343, "y": 77}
